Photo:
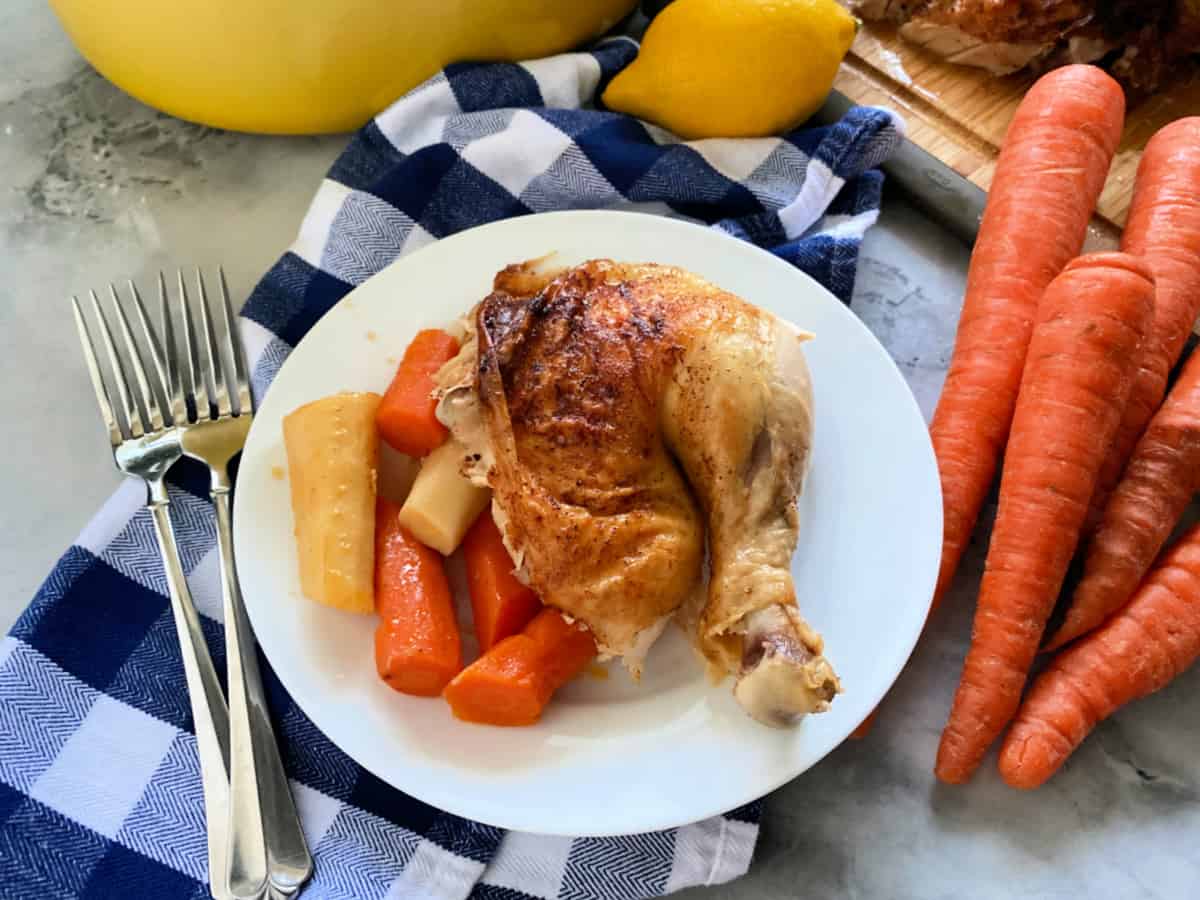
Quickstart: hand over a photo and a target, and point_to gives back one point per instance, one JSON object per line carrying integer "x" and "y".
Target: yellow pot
{"x": 310, "y": 66}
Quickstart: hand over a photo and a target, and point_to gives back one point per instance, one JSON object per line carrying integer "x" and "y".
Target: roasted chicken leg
{"x": 620, "y": 413}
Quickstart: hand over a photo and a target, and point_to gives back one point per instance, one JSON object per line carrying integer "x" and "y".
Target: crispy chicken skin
{"x": 621, "y": 412}
{"x": 605, "y": 524}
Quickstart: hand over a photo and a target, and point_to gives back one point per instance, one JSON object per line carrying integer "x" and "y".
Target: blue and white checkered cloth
{"x": 99, "y": 787}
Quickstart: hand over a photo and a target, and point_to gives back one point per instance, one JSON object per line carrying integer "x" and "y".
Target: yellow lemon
{"x": 734, "y": 68}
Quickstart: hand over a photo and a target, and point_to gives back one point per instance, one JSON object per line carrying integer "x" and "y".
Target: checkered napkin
{"x": 99, "y": 791}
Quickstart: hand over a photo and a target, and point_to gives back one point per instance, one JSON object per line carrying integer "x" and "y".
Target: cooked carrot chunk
{"x": 406, "y": 418}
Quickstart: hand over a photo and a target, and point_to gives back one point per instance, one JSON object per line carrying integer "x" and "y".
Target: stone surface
{"x": 96, "y": 187}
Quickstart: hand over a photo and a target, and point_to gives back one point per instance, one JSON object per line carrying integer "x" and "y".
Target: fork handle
{"x": 263, "y": 816}
{"x": 209, "y": 716}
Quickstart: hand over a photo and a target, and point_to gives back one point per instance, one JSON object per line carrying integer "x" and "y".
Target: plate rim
{"x": 763, "y": 257}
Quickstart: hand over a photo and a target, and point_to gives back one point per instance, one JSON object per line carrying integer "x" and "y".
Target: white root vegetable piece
{"x": 442, "y": 503}
{"x": 397, "y": 472}
{"x": 332, "y": 449}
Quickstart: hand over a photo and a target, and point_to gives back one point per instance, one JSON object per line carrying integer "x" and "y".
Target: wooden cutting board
{"x": 959, "y": 114}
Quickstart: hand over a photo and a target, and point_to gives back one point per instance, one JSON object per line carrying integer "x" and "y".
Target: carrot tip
{"x": 1016, "y": 769}
{"x": 865, "y": 726}
{"x": 948, "y": 775}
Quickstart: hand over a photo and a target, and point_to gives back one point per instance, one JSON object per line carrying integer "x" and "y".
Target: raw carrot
{"x": 512, "y": 683}
{"x": 1082, "y": 358}
{"x": 1051, "y": 168}
{"x": 501, "y": 604}
{"x": 1162, "y": 477}
{"x": 1159, "y": 478}
{"x": 1163, "y": 228}
{"x": 417, "y": 646}
{"x": 865, "y": 726}
{"x": 1138, "y": 651}
{"x": 406, "y": 418}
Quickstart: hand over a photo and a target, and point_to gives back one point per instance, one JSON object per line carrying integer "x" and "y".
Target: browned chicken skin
{"x": 621, "y": 412}
{"x": 1140, "y": 41}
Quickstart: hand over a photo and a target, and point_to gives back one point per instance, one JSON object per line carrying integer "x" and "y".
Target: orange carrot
{"x": 1051, "y": 168}
{"x": 406, "y": 418}
{"x": 567, "y": 647}
{"x": 417, "y": 647}
{"x": 1082, "y": 359}
{"x": 500, "y": 603}
{"x": 505, "y": 686}
{"x": 1138, "y": 651}
{"x": 865, "y": 726}
{"x": 1162, "y": 477}
{"x": 1163, "y": 228}
{"x": 512, "y": 683}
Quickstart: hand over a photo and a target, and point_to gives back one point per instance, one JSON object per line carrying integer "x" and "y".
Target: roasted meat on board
{"x": 1140, "y": 42}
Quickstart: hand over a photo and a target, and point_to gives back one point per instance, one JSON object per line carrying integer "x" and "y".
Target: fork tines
{"x": 210, "y": 357}
{"x": 147, "y": 379}
{"x": 135, "y": 414}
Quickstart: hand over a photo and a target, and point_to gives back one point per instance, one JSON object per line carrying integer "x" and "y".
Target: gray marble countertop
{"x": 94, "y": 186}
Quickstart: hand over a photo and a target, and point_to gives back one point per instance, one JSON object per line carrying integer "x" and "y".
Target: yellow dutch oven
{"x": 310, "y": 66}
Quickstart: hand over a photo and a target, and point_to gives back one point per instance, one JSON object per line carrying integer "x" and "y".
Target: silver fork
{"x": 146, "y": 444}
{"x": 266, "y": 843}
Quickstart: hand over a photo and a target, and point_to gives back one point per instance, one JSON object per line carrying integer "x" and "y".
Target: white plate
{"x": 609, "y": 757}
